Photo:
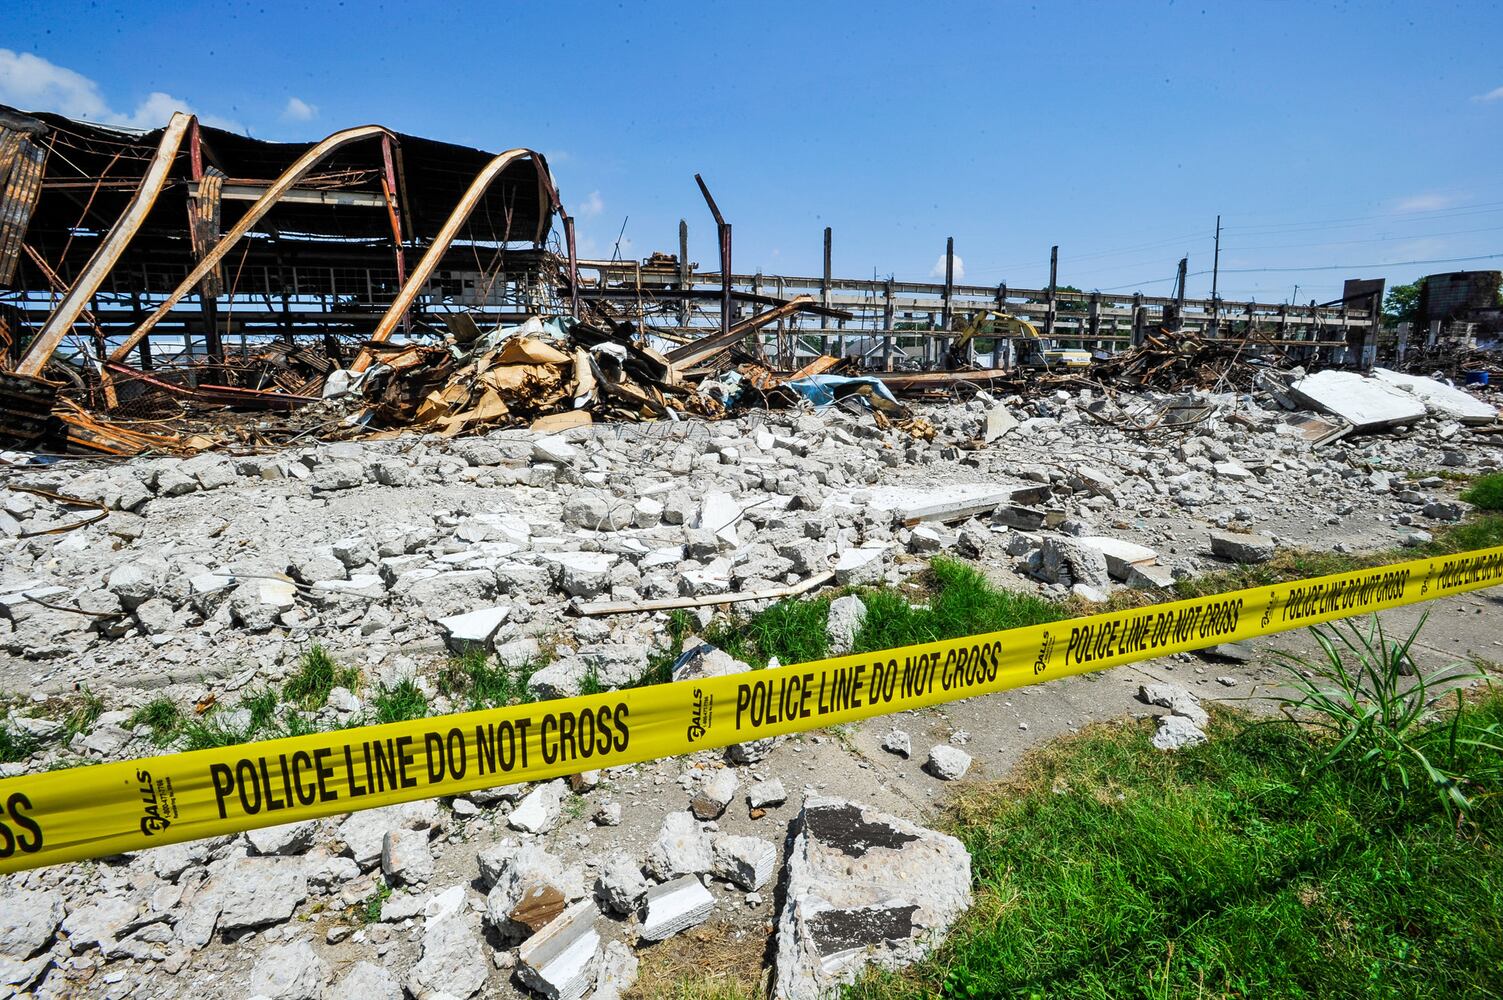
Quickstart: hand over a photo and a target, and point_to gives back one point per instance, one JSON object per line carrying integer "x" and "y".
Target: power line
{"x": 1320, "y": 267}
{"x": 1379, "y": 239}
{"x": 1485, "y": 208}
{"x": 1361, "y": 267}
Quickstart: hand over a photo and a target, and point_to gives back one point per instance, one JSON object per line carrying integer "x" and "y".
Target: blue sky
{"x": 1325, "y": 134}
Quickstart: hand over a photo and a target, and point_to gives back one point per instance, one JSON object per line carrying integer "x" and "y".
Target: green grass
{"x": 221, "y": 728}
{"x": 162, "y": 715}
{"x": 1375, "y": 705}
{"x": 368, "y": 910}
{"x": 15, "y": 744}
{"x": 961, "y": 602}
{"x": 1486, "y": 493}
{"x": 591, "y": 684}
{"x": 84, "y": 714}
{"x": 480, "y": 682}
{"x": 1239, "y": 868}
{"x": 211, "y": 731}
{"x": 400, "y": 703}
{"x": 317, "y": 674}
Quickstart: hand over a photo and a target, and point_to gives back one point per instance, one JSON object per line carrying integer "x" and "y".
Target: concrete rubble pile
{"x": 202, "y": 580}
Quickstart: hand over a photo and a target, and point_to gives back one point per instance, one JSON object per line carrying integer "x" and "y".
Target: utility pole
{"x": 683, "y": 272}
{"x": 943, "y": 344}
{"x": 1053, "y": 290}
{"x": 1215, "y": 274}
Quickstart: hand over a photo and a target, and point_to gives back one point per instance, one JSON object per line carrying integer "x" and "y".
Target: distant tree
{"x": 1401, "y": 304}
{"x": 1066, "y": 306}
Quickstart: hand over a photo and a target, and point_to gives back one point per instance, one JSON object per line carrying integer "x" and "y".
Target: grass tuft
{"x": 163, "y": 717}
{"x": 483, "y": 683}
{"x": 368, "y": 910}
{"x": 317, "y": 674}
{"x": 15, "y": 744}
{"x": 1366, "y": 693}
{"x": 962, "y": 603}
{"x": 83, "y": 714}
{"x": 1486, "y": 493}
{"x": 401, "y": 703}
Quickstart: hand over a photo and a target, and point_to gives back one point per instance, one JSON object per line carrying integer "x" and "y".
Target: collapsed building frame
{"x": 174, "y": 244}
{"x": 116, "y": 240}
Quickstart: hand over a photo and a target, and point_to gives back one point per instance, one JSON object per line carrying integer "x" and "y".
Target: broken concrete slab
{"x": 997, "y": 422}
{"x": 947, "y": 763}
{"x": 1068, "y": 561}
{"x": 674, "y": 907}
{"x": 1121, "y": 555}
{"x": 910, "y": 505}
{"x": 745, "y": 861}
{"x": 560, "y": 960}
{"x": 681, "y": 848}
{"x": 528, "y": 887}
{"x": 538, "y": 812}
{"x": 1447, "y": 400}
{"x": 715, "y": 794}
{"x": 1176, "y": 732}
{"x": 719, "y": 515}
{"x": 863, "y": 888}
{"x": 473, "y": 629}
{"x": 1175, "y": 698}
{"x": 856, "y": 566}
{"x": 1241, "y": 548}
{"x": 1365, "y": 403}
{"x": 844, "y": 622}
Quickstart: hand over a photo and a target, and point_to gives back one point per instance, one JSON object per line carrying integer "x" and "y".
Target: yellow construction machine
{"x": 1024, "y": 347}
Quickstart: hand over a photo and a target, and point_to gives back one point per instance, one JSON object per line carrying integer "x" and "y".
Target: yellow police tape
{"x": 90, "y": 812}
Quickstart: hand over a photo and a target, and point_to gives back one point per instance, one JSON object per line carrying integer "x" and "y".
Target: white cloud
{"x": 938, "y": 270}
{"x": 30, "y": 83}
{"x": 299, "y": 110}
{"x": 592, "y": 206}
{"x": 1425, "y": 202}
{"x": 1496, "y": 94}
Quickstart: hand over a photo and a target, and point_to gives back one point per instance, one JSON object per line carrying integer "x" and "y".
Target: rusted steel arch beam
{"x": 440, "y": 245}
{"x": 108, "y": 254}
{"x": 253, "y": 215}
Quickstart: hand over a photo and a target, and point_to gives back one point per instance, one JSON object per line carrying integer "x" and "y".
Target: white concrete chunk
{"x": 1365, "y": 403}
{"x": 560, "y": 960}
{"x": 674, "y": 907}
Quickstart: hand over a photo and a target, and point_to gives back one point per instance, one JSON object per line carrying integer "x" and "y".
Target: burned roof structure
{"x": 190, "y": 232}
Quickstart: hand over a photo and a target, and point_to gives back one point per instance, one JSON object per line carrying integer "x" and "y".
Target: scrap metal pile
{"x": 1174, "y": 361}
{"x": 544, "y": 374}
{"x": 1451, "y": 361}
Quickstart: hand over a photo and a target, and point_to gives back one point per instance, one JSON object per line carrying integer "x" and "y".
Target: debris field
{"x": 556, "y": 492}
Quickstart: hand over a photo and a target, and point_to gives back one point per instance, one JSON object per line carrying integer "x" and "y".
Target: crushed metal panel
{"x": 22, "y": 180}
{"x": 26, "y": 410}
{"x": 1316, "y": 429}
{"x": 203, "y": 228}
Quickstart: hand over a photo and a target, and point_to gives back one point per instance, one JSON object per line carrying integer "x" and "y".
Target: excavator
{"x": 1024, "y": 344}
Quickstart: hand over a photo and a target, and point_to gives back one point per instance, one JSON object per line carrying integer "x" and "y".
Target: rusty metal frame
{"x": 389, "y": 191}
{"x": 104, "y": 259}
{"x": 723, "y": 233}
{"x": 440, "y": 245}
{"x": 253, "y": 215}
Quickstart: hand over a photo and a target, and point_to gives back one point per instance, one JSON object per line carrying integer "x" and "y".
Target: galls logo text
{"x": 156, "y": 815}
